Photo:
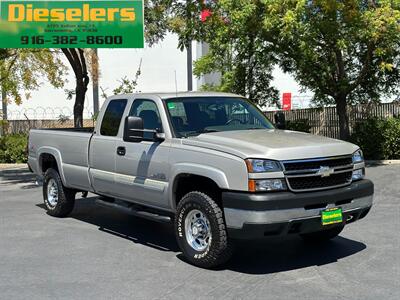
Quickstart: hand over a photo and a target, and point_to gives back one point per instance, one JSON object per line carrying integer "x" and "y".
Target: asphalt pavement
{"x": 98, "y": 253}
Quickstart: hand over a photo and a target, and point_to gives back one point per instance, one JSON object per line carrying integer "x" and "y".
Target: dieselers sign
{"x": 71, "y": 24}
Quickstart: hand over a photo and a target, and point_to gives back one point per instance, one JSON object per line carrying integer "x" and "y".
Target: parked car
{"x": 212, "y": 163}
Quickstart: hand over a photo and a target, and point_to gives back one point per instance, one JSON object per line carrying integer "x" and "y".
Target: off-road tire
{"x": 219, "y": 250}
{"x": 323, "y": 235}
{"x": 66, "y": 197}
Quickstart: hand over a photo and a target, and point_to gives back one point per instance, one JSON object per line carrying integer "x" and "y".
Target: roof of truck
{"x": 173, "y": 95}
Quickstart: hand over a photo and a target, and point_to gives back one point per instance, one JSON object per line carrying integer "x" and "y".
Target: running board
{"x": 133, "y": 209}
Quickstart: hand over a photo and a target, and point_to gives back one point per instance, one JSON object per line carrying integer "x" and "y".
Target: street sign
{"x": 287, "y": 101}
{"x": 71, "y": 24}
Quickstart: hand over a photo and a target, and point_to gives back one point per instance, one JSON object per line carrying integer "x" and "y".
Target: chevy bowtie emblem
{"x": 325, "y": 171}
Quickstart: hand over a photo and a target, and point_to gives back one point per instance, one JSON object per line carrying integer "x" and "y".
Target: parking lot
{"x": 99, "y": 253}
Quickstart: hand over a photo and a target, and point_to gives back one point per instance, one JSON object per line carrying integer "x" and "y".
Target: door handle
{"x": 121, "y": 151}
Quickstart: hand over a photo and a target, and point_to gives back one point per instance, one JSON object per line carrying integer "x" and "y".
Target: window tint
{"x": 112, "y": 117}
{"x": 148, "y": 111}
{"x": 194, "y": 116}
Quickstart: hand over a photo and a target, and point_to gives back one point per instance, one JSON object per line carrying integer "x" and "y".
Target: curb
{"x": 383, "y": 162}
{"x": 12, "y": 166}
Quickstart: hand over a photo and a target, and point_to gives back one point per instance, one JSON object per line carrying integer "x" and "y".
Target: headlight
{"x": 267, "y": 185}
{"x": 358, "y": 157}
{"x": 358, "y": 174}
{"x": 262, "y": 165}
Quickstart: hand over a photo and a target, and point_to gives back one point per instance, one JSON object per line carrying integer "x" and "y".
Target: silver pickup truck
{"x": 212, "y": 163}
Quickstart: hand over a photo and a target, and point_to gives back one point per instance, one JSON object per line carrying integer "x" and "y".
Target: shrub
{"x": 378, "y": 138}
{"x": 391, "y": 149}
{"x": 299, "y": 125}
{"x": 13, "y": 148}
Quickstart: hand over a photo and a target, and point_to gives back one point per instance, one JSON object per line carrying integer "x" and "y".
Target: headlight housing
{"x": 262, "y": 166}
{"x": 358, "y": 157}
{"x": 267, "y": 185}
{"x": 358, "y": 174}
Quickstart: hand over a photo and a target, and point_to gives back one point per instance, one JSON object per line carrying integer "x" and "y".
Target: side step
{"x": 133, "y": 209}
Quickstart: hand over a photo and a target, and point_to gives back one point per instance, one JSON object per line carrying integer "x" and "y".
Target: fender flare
{"x": 56, "y": 154}
{"x": 214, "y": 174}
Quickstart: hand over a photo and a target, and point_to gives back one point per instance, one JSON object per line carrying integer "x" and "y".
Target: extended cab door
{"x": 142, "y": 169}
{"x": 103, "y": 149}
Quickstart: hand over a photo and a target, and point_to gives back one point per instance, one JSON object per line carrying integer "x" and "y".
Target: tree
{"x": 77, "y": 60}
{"x": 233, "y": 32}
{"x": 238, "y": 50}
{"x": 21, "y": 71}
{"x": 126, "y": 85}
{"x": 344, "y": 51}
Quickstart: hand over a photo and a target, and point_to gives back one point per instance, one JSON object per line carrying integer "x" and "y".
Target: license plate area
{"x": 331, "y": 216}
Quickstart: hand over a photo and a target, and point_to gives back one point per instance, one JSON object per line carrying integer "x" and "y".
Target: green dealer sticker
{"x": 171, "y": 105}
{"x": 71, "y": 24}
{"x": 332, "y": 216}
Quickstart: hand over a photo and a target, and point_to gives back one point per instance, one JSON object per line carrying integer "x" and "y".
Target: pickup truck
{"x": 212, "y": 164}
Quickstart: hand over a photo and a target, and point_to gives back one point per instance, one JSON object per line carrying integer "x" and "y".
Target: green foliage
{"x": 13, "y": 148}
{"x": 344, "y": 51}
{"x": 22, "y": 69}
{"x": 338, "y": 49}
{"x": 392, "y": 139}
{"x": 301, "y": 125}
{"x": 126, "y": 85}
{"x": 378, "y": 138}
{"x": 239, "y": 51}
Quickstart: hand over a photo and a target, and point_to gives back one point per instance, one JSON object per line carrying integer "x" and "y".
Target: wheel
{"x": 201, "y": 232}
{"x": 323, "y": 235}
{"x": 59, "y": 200}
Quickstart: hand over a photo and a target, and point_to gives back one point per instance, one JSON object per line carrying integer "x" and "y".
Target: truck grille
{"x": 318, "y": 174}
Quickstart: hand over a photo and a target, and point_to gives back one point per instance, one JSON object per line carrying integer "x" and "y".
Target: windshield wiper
{"x": 205, "y": 130}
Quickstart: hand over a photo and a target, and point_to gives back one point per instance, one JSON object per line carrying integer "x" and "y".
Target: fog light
{"x": 267, "y": 185}
{"x": 358, "y": 174}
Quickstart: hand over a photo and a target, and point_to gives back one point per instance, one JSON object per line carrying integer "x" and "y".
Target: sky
{"x": 159, "y": 66}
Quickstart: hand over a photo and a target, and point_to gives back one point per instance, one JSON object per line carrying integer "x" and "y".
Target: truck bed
{"x": 70, "y": 148}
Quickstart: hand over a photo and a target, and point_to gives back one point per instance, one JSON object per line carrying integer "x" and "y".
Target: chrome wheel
{"x": 52, "y": 193}
{"x": 197, "y": 228}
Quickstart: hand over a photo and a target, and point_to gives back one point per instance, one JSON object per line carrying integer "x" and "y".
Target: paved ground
{"x": 102, "y": 254}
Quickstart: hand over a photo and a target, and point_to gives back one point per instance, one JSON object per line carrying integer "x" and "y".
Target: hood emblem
{"x": 325, "y": 171}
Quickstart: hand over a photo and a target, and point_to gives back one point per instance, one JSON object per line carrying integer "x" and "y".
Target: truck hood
{"x": 271, "y": 144}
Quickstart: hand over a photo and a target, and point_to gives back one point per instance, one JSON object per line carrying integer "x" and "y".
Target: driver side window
{"x": 148, "y": 111}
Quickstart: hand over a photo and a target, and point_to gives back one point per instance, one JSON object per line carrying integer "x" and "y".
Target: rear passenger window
{"x": 112, "y": 117}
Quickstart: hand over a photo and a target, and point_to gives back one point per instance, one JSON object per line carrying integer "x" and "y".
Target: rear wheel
{"x": 201, "y": 231}
{"x": 323, "y": 235}
{"x": 59, "y": 200}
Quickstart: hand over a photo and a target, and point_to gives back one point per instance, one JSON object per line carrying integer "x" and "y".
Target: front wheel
{"x": 323, "y": 235}
{"x": 201, "y": 232}
{"x": 58, "y": 199}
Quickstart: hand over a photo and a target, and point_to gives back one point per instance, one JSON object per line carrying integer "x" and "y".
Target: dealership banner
{"x": 71, "y": 24}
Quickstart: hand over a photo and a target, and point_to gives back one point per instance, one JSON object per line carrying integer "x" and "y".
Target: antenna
{"x": 176, "y": 85}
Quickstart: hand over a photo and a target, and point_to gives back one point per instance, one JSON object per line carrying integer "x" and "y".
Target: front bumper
{"x": 251, "y": 216}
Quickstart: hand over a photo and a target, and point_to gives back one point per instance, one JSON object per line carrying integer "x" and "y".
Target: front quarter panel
{"x": 229, "y": 172}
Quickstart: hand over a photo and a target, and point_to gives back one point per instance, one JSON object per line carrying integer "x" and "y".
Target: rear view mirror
{"x": 133, "y": 130}
{"x": 280, "y": 120}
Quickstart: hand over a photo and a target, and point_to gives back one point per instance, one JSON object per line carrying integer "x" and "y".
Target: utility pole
{"x": 190, "y": 67}
{"x": 189, "y": 50}
{"x": 95, "y": 83}
{"x": 4, "y": 109}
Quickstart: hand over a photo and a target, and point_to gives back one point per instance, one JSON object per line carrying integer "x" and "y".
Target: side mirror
{"x": 133, "y": 130}
{"x": 280, "y": 120}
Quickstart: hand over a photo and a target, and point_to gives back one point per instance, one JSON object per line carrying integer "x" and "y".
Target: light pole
{"x": 95, "y": 78}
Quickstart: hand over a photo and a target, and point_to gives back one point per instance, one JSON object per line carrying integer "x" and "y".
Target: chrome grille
{"x": 318, "y": 174}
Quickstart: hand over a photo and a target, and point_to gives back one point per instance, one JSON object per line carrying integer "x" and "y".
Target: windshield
{"x": 196, "y": 115}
